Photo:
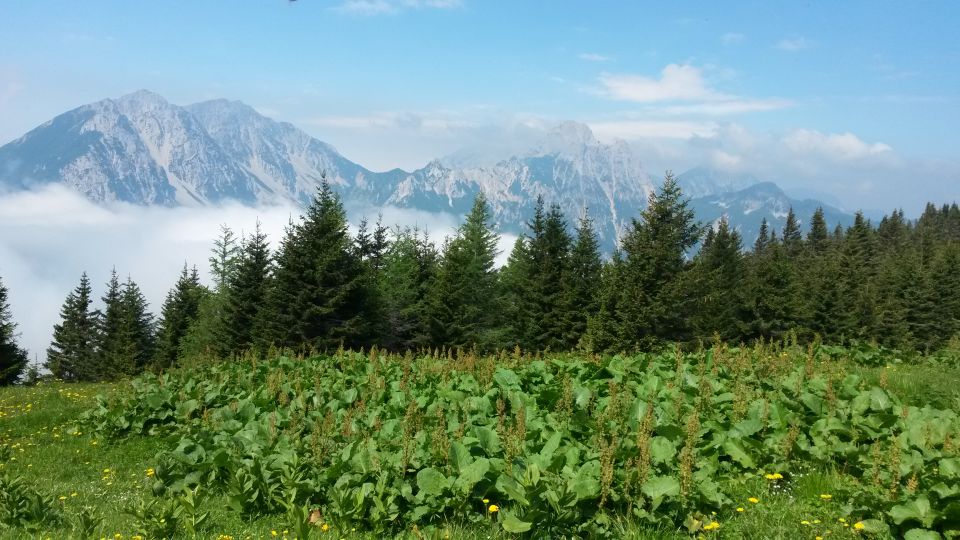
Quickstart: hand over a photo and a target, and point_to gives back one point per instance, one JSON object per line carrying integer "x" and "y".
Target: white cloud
{"x": 732, "y": 38}
{"x": 50, "y": 236}
{"x": 835, "y": 146}
{"x": 682, "y": 90}
{"x": 794, "y": 44}
{"x": 594, "y": 57}
{"x": 392, "y": 7}
{"x": 650, "y": 129}
{"x": 676, "y": 82}
{"x": 727, "y": 107}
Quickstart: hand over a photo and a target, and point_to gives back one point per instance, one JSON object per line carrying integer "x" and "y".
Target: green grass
{"x": 39, "y": 426}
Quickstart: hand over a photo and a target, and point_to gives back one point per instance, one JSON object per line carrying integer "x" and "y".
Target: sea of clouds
{"x": 50, "y": 236}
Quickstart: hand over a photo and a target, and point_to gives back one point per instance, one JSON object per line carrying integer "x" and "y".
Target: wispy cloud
{"x": 677, "y": 82}
{"x": 392, "y": 7}
{"x": 835, "y": 146}
{"x": 727, "y": 107}
{"x": 594, "y": 57}
{"x": 732, "y": 38}
{"x": 651, "y": 129}
{"x": 794, "y": 44}
{"x": 682, "y": 90}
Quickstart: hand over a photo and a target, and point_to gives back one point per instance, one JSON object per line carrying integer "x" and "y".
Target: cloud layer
{"x": 49, "y": 237}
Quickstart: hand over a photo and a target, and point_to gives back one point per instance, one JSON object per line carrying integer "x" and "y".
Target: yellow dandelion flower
{"x": 712, "y": 526}
{"x": 804, "y": 522}
{"x": 773, "y": 476}
{"x": 754, "y": 500}
{"x": 486, "y": 501}
{"x": 739, "y": 509}
{"x": 841, "y": 520}
{"x": 858, "y": 525}
{"x": 273, "y": 533}
{"x": 818, "y": 538}
{"x": 493, "y": 509}
{"x": 324, "y": 527}
{"x": 826, "y": 496}
{"x": 62, "y": 497}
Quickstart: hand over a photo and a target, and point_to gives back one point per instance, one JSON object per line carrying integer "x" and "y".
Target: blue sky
{"x": 842, "y": 97}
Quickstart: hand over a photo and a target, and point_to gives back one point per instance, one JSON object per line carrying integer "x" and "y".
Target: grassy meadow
{"x": 724, "y": 443}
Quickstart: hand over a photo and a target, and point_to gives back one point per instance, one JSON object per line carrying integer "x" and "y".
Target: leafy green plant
{"x": 562, "y": 445}
{"x": 22, "y": 506}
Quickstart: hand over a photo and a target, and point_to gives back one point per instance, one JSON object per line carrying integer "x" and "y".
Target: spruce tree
{"x": 792, "y": 237}
{"x": 772, "y": 294}
{"x": 463, "y": 304}
{"x": 409, "y": 266}
{"x": 179, "y": 311}
{"x": 13, "y": 358}
{"x": 248, "y": 293}
{"x": 137, "y": 330}
{"x": 73, "y": 354}
{"x": 605, "y": 326}
{"x": 224, "y": 259}
{"x": 717, "y": 281}
{"x": 323, "y": 294}
{"x": 582, "y": 282}
{"x": 111, "y": 340}
{"x": 516, "y": 295}
{"x": 818, "y": 236}
{"x": 654, "y": 308}
{"x": 549, "y": 253}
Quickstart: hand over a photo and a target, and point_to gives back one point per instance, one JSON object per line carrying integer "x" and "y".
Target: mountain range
{"x": 143, "y": 150}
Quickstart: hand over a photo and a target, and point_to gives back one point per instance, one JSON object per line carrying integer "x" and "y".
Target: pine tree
{"x": 409, "y": 266}
{"x": 13, "y": 358}
{"x": 772, "y": 294}
{"x": 248, "y": 294}
{"x": 224, "y": 259}
{"x": 516, "y": 295}
{"x": 792, "y": 238}
{"x": 73, "y": 354}
{"x": 605, "y": 327}
{"x": 549, "y": 253}
{"x": 763, "y": 238}
{"x": 111, "y": 341}
{"x": 717, "y": 281}
{"x": 583, "y": 281}
{"x": 818, "y": 236}
{"x": 207, "y": 335}
{"x": 323, "y": 294}
{"x": 855, "y": 309}
{"x": 463, "y": 304}
{"x": 178, "y": 312}
{"x": 654, "y": 307}
{"x": 138, "y": 339}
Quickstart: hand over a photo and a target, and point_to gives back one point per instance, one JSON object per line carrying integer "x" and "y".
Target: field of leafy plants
{"x": 553, "y": 446}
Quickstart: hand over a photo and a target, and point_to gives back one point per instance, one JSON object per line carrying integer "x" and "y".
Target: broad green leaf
{"x": 586, "y": 484}
{"x": 661, "y": 486}
{"x": 734, "y": 448}
{"x": 511, "y": 488}
{"x": 916, "y": 510}
{"x": 470, "y": 475}
{"x": 879, "y": 400}
{"x": 432, "y": 482}
{"x": 875, "y": 526}
{"x": 922, "y": 534}
{"x": 512, "y": 524}
{"x": 661, "y": 449}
